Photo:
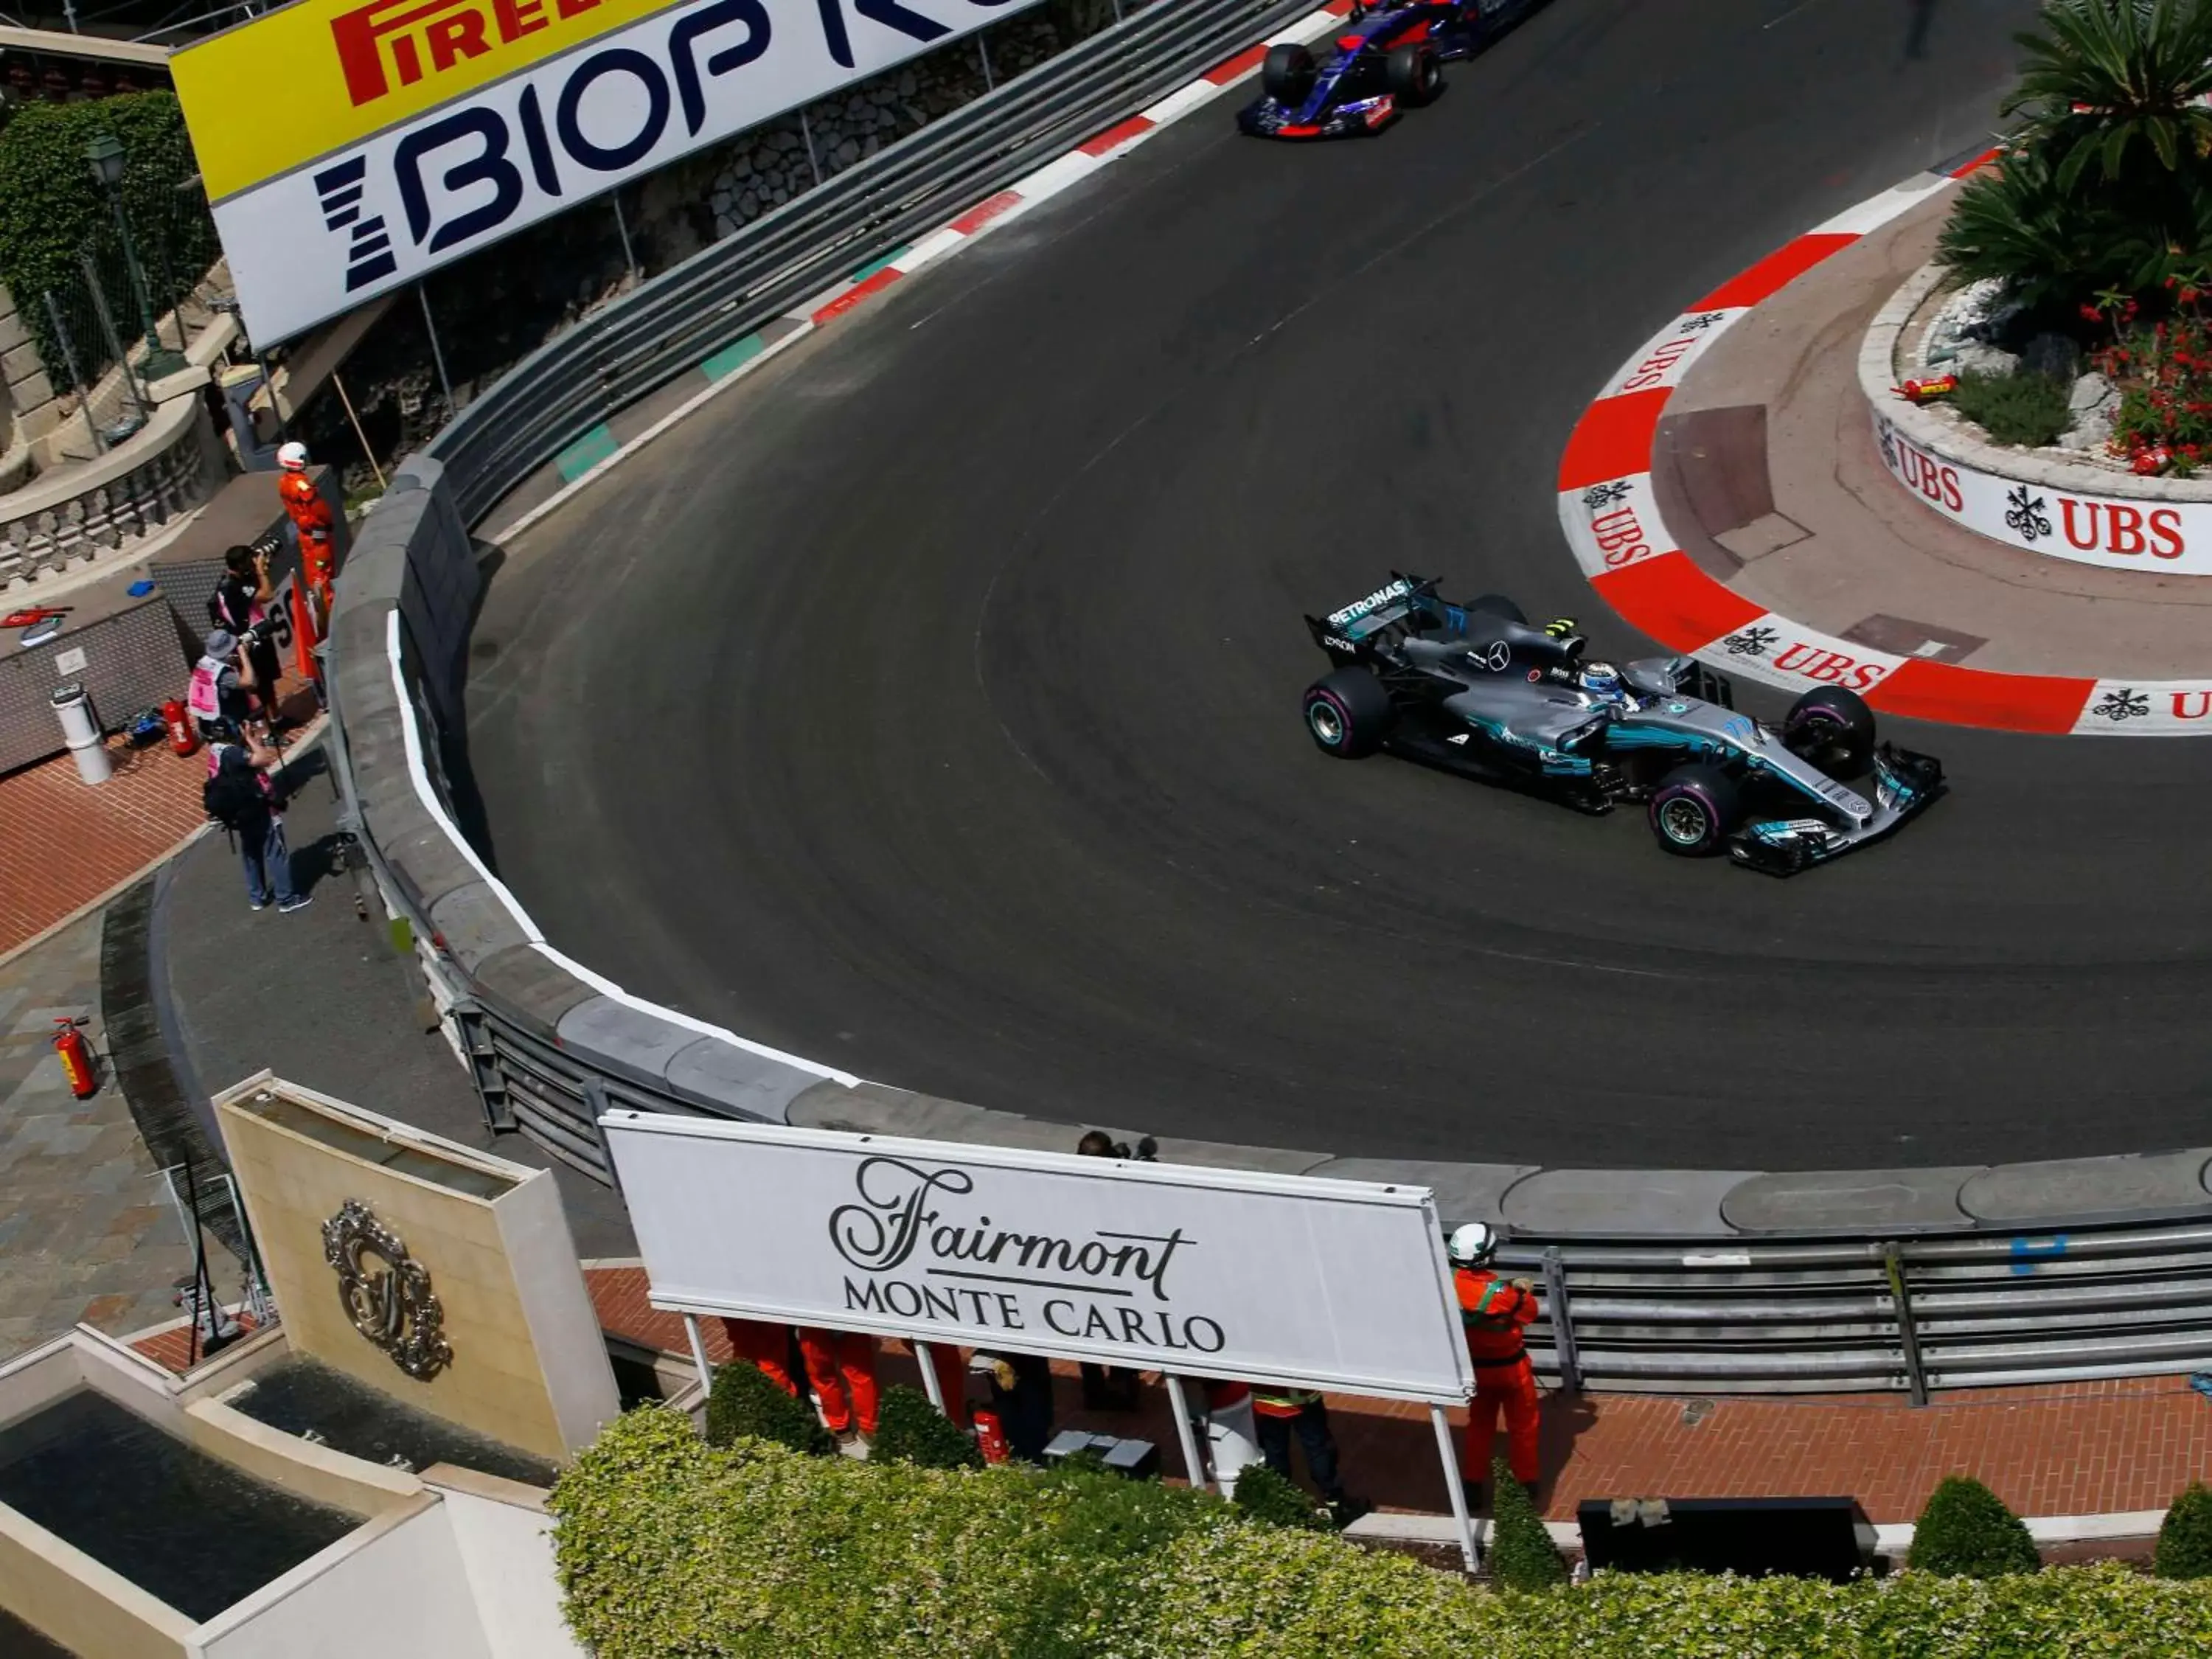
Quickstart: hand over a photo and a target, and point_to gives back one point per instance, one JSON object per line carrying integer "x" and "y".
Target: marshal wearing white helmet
{"x": 1495, "y": 1312}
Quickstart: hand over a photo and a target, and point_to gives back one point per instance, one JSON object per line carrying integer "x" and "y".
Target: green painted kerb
{"x": 732, "y": 358}
{"x": 587, "y": 451}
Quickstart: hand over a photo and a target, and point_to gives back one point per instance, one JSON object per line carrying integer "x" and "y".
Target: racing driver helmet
{"x": 1603, "y": 679}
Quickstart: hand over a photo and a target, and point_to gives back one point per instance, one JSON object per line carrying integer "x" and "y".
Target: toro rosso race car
{"x": 1391, "y": 58}
{"x": 1473, "y": 688}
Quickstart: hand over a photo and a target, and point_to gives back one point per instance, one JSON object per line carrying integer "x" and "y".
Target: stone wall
{"x": 28, "y": 409}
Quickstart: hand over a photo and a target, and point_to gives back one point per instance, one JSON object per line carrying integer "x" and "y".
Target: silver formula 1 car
{"x": 1476, "y": 688}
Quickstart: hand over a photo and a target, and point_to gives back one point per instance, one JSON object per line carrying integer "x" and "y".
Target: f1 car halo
{"x": 1475, "y": 689}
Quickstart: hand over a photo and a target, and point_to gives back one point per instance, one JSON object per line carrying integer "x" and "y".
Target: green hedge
{"x": 668, "y": 1548}
{"x": 51, "y": 206}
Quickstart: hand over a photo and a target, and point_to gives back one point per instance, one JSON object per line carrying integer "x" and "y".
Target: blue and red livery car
{"x": 1391, "y": 58}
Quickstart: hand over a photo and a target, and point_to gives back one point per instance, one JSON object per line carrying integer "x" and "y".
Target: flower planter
{"x": 2027, "y": 499}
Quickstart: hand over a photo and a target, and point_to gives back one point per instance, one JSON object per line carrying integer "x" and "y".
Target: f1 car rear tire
{"x": 1832, "y": 728}
{"x": 1497, "y": 604}
{"x": 1287, "y": 75}
{"x": 1348, "y": 712}
{"x": 1413, "y": 75}
{"x": 1694, "y": 810}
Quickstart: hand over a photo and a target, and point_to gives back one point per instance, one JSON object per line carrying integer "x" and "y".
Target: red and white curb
{"x": 988, "y": 214}
{"x": 1613, "y": 522}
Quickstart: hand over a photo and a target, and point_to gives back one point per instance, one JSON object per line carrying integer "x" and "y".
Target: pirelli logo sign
{"x": 396, "y": 43}
{"x": 348, "y": 149}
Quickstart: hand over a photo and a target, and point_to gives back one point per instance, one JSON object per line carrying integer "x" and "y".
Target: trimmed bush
{"x": 1966, "y": 1532}
{"x": 666, "y": 1547}
{"x": 1521, "y": 1555}
{"x": 910, "y": 1430}
{"x": 2030, "y": 410}
{"x": 743, "y": 1404}
{"x": 2184, "y": 1537}
{"x": 1278, "y": 1500}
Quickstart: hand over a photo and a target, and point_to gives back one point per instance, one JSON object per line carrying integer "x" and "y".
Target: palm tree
{"x": 2105, "y": 78}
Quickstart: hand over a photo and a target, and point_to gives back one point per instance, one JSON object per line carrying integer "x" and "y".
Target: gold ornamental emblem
{"x": 385, "y": 1292}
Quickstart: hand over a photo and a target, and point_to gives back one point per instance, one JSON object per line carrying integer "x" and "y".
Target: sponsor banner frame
{"x": 356, "y": 203}
{"x": 1228, "y": 1274}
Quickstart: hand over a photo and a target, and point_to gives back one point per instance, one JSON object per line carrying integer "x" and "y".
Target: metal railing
{"x": 1934, "y": 1309}
{"x": 676, "y": 321}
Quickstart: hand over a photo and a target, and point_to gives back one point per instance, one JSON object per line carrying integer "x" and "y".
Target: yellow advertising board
{"x": 313, "y": 78}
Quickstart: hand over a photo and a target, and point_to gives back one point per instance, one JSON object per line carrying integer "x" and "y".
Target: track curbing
{"x": 1611, "y": 516}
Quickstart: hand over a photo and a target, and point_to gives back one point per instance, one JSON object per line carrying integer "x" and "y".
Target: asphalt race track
{"x": 930, "y": 704}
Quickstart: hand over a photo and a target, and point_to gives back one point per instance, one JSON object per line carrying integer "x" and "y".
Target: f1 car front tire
{"x": 1693, "y": 810}
{"x": 1287, "y": 75}
{"x": 1413, "y": 75}
{"x": 1832, "y": 728}
{"x": 1348, "y": 712}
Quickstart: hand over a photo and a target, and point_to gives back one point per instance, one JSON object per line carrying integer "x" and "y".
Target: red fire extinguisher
{"x": 990, "y": 1436}
{"x": 183, "y": 740}
{"x": 77, "y": 1058}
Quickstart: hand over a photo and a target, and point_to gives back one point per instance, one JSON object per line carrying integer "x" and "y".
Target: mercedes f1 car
{"x": 1391, "y": 58}
{"x": 1475, "y": 689}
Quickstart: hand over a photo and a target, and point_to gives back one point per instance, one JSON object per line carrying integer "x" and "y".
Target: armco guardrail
{"x": 1729, "y": 1281}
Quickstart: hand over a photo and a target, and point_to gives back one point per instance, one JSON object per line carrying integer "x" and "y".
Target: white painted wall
{"x": 395, "y": 1587}
{"x": 507, "y": 1549}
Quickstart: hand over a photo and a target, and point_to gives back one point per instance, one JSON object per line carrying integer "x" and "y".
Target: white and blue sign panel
{"x": 315, "y": 242}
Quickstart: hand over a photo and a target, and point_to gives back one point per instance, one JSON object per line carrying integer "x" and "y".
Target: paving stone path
{"x": 85, "y": 1231}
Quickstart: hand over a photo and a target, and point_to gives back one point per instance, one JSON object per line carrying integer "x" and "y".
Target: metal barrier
{"x": 1917, "y": 1282}
{"x": 676, "y": 321}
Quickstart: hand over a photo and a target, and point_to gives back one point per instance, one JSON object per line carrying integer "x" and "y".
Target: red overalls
{"x": 1494, "y": 1313}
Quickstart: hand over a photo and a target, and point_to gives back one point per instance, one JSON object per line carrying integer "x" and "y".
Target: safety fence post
{"x": 1562, "y": 1320}
{"x": 595, "y": 1108}
{"x": 437, "y": 351}
{"x": 622, "y": 229}
{"x": 984, "y": 56}
{"x": 1916, "y": 1380}
{"x": 806, "y": 131}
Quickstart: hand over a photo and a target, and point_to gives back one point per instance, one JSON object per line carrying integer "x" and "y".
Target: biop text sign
{"x": 350, "y": 148}
{"x": 1205, "y": 1273}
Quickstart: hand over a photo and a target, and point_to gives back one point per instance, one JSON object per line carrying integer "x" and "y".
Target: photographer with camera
{"x": 241, "y": 606}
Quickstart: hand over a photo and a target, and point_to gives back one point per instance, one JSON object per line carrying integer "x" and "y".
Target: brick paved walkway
{"x": 85, "y": 1234}
{"x": 2085, "y": 1448}
{"x": 62, "y": 845}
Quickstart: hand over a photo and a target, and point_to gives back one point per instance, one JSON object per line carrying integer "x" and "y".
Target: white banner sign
{"x": 319, "y": 239}
{"x": 2120, "y": 532}
{"x": 1205, "y": 1273}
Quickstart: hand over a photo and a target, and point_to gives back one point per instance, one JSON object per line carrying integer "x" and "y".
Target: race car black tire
{"x": 1694, "y": 811}
{"x": 1413, "y": 75}
{"x": 1497, "y": 604}
{"x": 1348, "y": 712}
{"x": 1832, "y": 728}
{"x": 1287, "y": 75}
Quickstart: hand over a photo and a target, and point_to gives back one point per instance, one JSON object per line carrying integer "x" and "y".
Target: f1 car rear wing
{"x": 1349, "y": 632}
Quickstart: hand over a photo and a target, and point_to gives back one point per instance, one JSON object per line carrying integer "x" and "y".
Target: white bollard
{"x": 80, "y": 731}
